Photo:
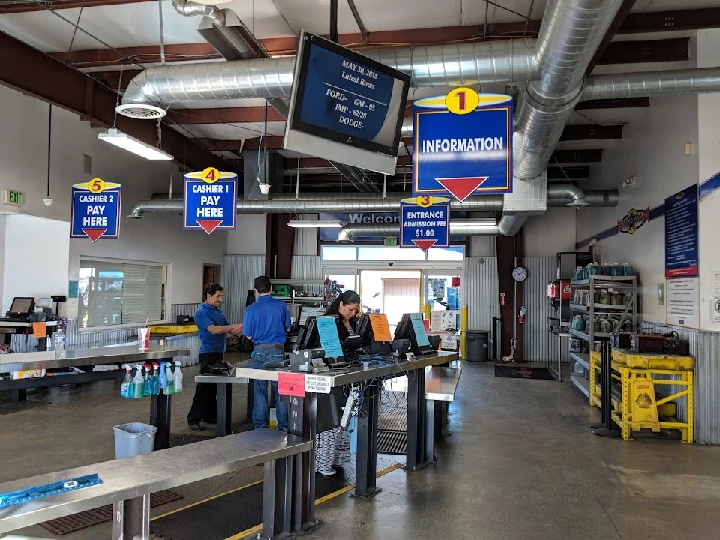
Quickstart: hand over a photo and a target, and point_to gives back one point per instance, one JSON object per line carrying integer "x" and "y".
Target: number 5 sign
{"x": 95, "y": 210}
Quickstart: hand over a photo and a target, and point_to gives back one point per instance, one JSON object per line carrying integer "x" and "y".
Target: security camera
{"x": 47, "y": 201}
{"x": 390, "y": 264}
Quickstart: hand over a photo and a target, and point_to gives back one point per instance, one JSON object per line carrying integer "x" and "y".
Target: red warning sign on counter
{"x": 291, "y": 384}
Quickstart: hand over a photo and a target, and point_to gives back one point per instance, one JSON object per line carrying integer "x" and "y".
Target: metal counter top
{"x": 20, "y": 324}
{"x": 340, "y": 377}
{"x": 125, "y": 479}
{"x": 441, "y": 383}
{"x": 114, "y": 354}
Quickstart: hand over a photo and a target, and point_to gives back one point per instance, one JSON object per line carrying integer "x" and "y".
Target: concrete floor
{"x": 520, "y": 464}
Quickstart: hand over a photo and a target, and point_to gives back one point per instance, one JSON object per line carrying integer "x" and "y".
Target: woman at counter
{"x": 332, "y": 443}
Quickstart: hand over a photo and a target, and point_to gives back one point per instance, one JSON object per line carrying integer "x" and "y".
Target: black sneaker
{"x": 195, "y": 427}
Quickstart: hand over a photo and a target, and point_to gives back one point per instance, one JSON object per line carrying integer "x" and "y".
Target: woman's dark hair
{"x": 348, "y": 297}
{"x": 210, "y": 290}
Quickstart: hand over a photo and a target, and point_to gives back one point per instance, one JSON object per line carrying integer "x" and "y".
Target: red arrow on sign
{"x": 209, "y": 225}
{"x": 94, "y": 234}
{"x": 424, "y": 244}
{"x": 462, "y": 188}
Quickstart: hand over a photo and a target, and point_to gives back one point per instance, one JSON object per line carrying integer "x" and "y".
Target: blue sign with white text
{"x": 210, "y": 200}
{"x": 681, "y": 234}
{"x": 95, "y": 211}
{"x": 425, "y": 227}
{"x": 463, "y": 144}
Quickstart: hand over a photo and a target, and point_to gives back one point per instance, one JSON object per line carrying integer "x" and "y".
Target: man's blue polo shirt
{"x": 266, "y": 321}
{"x": 207, "y": 315}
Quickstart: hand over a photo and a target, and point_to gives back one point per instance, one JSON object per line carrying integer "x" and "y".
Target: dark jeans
{"x": 261, "y": 406}
{"x": 204, "y": 405}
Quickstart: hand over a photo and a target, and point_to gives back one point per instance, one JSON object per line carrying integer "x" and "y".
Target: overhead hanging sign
{"x": 462, "y": 144}
{"x": 425, "y": 222}
{"x": 681, "y": 234}
{"x": 95, "y": 210}
{"x": 210, "y": 200}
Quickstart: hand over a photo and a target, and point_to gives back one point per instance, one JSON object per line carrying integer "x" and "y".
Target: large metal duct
{"x": 458, "y": 227}
{"x": 570, "y": 34}
{"x": 192, "y": 9}
{"x": 652, "y": 83}
{"x": 557, "y": 195}
{"x": 459, "y": 64}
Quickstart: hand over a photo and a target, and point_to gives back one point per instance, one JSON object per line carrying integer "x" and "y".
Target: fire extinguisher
{"x": 521, "y": 314}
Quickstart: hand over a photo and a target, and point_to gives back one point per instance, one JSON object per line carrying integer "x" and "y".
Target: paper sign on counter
{"x": 39, "y": 330}
{"x": 317, "y": 384}
{"x": 329, "y": 340}
{"x": 291, "y": 384}
{"x": 380, "y": 328}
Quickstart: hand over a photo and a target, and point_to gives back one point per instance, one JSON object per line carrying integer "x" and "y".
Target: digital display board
{"x": 345, "y": 107}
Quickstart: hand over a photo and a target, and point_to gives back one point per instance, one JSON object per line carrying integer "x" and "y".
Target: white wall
{"x": 652, "y": 150}
{"x": 550, "y": 233}
{"x": 249, "y": 237}
{"x": 156, "y": 237}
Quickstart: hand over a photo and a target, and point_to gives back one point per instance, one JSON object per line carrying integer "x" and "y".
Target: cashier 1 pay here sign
{"x": 210, "y": 200}
{"x": 462, "y": 144}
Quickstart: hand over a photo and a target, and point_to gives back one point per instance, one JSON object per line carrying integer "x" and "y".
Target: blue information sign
{"x": 463, "y": 144}
{"x": 210, "y": 200}
{"x": 329, "y": 340}
{"x": 95, "y": 210}
{"x": 425, "y": 226}
{"x": 681, "y": 234}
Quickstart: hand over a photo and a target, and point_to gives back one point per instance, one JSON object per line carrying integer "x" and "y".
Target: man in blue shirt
{"x": 266, "y": 323}
{"x": 212, "y": 328}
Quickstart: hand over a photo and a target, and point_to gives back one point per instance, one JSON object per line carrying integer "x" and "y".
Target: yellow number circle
{"x": 96, "y": 185}
{"x": 210, "y": 175}
{"x": 424, "y": 201}
{"x": 462, "y": 100}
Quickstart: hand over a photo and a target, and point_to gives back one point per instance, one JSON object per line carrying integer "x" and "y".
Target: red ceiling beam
{"x": 581, "y": 132}
{"x": 225, "y": 115}
{"x": 620, "y": 17}
{"x": 69, "y": 90}
{"x": 669, "y": 21}
{"x": 656, "y": 50}
{"x": 620, "y": 103}
{"x": 25, "y": 7}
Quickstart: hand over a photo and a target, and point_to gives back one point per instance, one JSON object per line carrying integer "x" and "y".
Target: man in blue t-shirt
{"x": 266, "y": 323}
{"x": 212, "y": 328}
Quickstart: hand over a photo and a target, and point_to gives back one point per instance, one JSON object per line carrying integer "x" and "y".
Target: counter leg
{"x": 250, "y": 400}
{"x": 131, "y": 519}
{"x": 311, "y": 413}
{"x": 160, "y": 408}
{"x": 416, "y": 458}
{"x": 366, "y": 459}
{"x": 18, "y": 394}
{"x": 224, "y": 410}
{"x": 268, "y": 530}
{"x": 430, "y": 406}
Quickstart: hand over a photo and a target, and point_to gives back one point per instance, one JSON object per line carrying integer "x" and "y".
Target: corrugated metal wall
{"x": 537, "y": 345}
{"x": 707, "y": 388}
{"x": 308, "y": 267}
{"x": 482, "y": 292}
{"x": 239, "y": 272}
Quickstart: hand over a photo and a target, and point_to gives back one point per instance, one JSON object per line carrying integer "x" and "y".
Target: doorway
{"x": 391, "y": 292}
{"x": 211, "y": 274}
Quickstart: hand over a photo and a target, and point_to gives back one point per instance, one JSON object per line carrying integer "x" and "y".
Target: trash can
{"x": 133, "y": 439}
{"x": 476, "y": 345}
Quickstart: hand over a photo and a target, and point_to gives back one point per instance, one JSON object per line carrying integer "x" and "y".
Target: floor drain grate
{"x": 392, "y": 442}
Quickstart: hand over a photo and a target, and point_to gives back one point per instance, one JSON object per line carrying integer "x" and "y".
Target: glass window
{"x": 339, "y": 253}
{"x": 382, "y": 253}
{"x": 114, "y": 293}
{"x": 452, "y": 253}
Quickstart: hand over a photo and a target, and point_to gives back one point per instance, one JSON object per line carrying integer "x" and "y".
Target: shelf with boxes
{"x": 604, "y": 306}
{"x": 645, "y": 390}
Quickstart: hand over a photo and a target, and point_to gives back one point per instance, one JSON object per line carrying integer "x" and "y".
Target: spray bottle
{"x": 125, "y": 387}
{"x": 155, "y": 379}
{"x": 163, "y": 379}
{"x": 178, "y": 377}
{"x": 147, "y": 382}
{"x": 138, "y": 383}
{"x": 170, "y": 378}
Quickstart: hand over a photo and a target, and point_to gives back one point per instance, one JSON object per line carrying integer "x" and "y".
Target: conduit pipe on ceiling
{"x": 188, "y": 8}
{"x": 458, "y": 227}
{"x": 458, "y": 64}
{"x": 557, "y": 195}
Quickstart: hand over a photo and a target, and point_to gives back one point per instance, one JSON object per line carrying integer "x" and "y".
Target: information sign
{"x": 681, "y": 234}
{"x": 317, "y": 384}
{"x": 210, "y": 200}
{"x": 329, "y": 339}
{"x": 95, "y": 210}
{"x": 463, "y": 144}
{"x": 425, "y": 222}
{"x": 420, "y": 333}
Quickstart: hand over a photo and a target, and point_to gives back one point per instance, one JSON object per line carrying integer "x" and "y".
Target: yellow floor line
{"x": 206, "y": 500}
{"x": 258, "y": 528}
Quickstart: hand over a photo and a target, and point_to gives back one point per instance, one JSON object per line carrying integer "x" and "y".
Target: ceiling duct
{"x": 652, "y": 83}
{"x": 557, "y": 195}
{"x": 458, "y": 227}
{"x": 188, "y": 8}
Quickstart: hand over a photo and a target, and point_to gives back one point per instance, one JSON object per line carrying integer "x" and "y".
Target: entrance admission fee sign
{"x": 210, "y": 200}
{"x": 95, "y": 210}
{"x": 425, "y": 222}
{"x": 463, "y": 144}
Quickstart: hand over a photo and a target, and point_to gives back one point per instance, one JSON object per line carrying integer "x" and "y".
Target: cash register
{"x": 20, "y": 309}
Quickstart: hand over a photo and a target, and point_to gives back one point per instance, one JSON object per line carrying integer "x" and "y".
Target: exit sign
{"x": 14, "y": 198}
{"x": 390, "y": 241}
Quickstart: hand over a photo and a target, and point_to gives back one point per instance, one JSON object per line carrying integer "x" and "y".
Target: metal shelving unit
{"x": 623, "y": 284}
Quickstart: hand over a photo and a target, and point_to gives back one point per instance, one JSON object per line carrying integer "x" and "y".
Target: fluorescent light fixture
{"x": 315, "y": 223}
{"x": 121, "y": 140}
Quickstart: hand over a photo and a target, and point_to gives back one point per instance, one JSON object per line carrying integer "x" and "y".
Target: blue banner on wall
{"x": 463, "y": 144}
{"x": 681, "y": 234}
{"x": 210, "y": 200}
{"x": 95, "y": 210}
{"x": 425, "y": 226}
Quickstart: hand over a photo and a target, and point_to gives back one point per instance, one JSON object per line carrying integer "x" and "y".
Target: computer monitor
{"x": 22, "y": 305}
{"x": 363, "y": 329}
{"x": 409, "y": 327}
{"x": 308, "y": 337}
{"x": 352, "y": 344}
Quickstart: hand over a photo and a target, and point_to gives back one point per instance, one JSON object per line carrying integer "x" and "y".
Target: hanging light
{"x": 315, "y": 223}
{"x": 131, "y": 144}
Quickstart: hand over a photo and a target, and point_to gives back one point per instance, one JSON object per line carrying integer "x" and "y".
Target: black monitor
{"x": 363, "y": 329}
{"x": 22, "y": 305}
{"x": 352, "y": 344}
{"x": 308, "y": 337}
{"x": 405, "y": 330}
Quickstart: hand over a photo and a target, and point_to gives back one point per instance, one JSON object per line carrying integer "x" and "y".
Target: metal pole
{"x": 606, "y": 429}
{"x": 334, "y": 21}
